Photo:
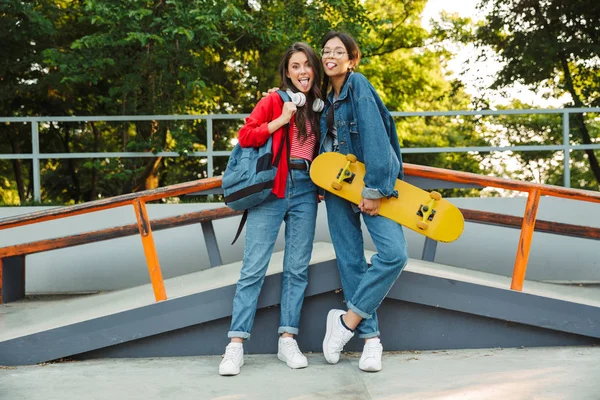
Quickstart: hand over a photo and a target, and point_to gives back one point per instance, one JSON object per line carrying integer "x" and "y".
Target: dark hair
{"x": 304, "y": 113}
{"x": 351, "y": 47}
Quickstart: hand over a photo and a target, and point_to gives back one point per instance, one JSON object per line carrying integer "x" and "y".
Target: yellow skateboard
{"x": 423, "y": 212}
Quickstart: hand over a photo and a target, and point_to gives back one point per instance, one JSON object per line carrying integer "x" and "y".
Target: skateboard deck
{"x": 423, "y": 212}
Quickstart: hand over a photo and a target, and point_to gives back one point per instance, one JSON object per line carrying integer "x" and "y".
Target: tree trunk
{"x": 585, "y": 135}
{"x": 71, "y": 167}
{"x": 149, "y": 177}
{"x": 17, "y": 165}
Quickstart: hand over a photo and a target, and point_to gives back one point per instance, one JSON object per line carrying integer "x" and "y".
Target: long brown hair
{"x": 306, "y": 112}
{"x": 352, "y": 49}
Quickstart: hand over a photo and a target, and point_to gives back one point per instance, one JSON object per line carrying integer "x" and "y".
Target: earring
{"x": 299, "y": 99}
{"x": 318, "y": 105}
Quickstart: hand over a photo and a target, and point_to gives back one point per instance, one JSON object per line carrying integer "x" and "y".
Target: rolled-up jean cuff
{"x": 373, "y": 194}
{"x": 368, "y": 335}
{"x": 288, "y": 329}
{"x": 235, "y": 334}
{"x": 362, "y": 314}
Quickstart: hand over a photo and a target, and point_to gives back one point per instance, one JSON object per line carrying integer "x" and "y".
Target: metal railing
{"x": 534, "y": 192}
{"x": 139, "y": 200}
{"x": 210, "y": 153}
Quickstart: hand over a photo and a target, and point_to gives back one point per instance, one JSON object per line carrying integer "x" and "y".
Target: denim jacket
{"x": 366, "y": 129}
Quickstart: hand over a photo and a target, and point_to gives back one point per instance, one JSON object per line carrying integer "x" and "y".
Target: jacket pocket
{"x": 355, "y": 139}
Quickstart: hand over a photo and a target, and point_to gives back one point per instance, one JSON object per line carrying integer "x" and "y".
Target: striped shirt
{"x": 304, "y": 149}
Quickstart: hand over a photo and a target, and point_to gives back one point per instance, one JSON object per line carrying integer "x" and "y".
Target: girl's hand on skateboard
{"x": 370, "y": 206}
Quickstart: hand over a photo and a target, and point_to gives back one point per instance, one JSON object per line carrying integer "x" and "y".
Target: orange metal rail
{"x": 558, "y": 228}
{"x": 534, "y": 190}
{"x": 226, "y": 212}
{"x": 118, "y": 232}
{"x": 138, "y": 201}
{"x": 112, "y": 202}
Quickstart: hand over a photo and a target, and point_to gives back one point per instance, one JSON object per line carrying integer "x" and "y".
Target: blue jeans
{"x": 299, "y": 211}
{"x": 365, "y": 286}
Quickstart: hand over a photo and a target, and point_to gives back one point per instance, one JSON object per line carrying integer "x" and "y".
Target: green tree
{"x": 407, "y": 65}
{"x": 541, "y": 166}
{"x": 25, "y": 30}
{"x": 141, "y": 57}
{"x": 174, "y": 57}
{"x": 553, "y": 44}
{"x": 31, "y": 87}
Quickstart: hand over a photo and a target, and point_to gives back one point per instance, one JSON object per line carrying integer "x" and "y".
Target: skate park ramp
{"x": 432, "y": 306}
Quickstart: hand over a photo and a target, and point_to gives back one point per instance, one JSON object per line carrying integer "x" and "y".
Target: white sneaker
{"x": 336, "y": 336}
{"x": 370, "y": 359}
{"x": 289, "y": 353}
{"x": 232, "y": 360}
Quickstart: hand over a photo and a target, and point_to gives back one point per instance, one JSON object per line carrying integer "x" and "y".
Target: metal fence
{"x": 209, "y": 154}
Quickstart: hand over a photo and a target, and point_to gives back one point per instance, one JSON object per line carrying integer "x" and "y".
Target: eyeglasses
{"x": 338, "y": 52}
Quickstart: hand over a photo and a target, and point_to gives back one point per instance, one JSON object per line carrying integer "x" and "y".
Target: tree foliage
{"x": 553, "y": 44}
{"x": 168, "y": 57}
{"x": 408, "y": 67}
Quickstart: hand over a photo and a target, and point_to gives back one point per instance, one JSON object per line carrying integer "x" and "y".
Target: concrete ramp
{"x": 432, "y": 306}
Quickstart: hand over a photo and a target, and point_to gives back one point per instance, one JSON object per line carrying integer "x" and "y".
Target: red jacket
{"x": 255, "y": 133}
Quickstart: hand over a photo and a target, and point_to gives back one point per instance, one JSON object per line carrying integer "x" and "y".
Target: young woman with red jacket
{"x": 293, "y": 201}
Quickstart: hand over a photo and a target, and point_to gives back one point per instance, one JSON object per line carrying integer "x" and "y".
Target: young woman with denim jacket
{"x": 293, "y": 201}
{"x": 355, "y": 121}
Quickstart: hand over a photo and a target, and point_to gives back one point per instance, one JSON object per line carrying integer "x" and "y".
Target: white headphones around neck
{"x": 299, "y": 99}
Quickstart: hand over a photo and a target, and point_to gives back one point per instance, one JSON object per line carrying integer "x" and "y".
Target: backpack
{"x": 250, "y": 174}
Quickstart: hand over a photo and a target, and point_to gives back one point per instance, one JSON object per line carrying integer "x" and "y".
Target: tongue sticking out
{"x": 304, "y": 84}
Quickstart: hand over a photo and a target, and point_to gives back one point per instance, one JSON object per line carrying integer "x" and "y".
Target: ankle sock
{"x": 344, "y": 324}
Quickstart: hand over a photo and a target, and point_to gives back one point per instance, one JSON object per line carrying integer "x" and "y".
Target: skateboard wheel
{"x": 351, "y": 157}
{"x": 435, "y": 195}
{"x": 422, "y": 225}
{"x": 336, "y": 185}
